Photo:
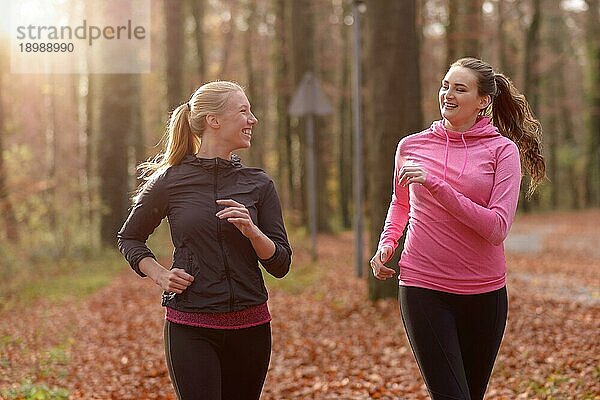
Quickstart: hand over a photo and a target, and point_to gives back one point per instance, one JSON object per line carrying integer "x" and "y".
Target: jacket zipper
{"x": 219, "y": 238}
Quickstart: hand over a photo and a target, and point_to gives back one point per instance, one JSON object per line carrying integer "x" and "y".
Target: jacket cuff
{"x": 135, "y": 262}
{"x": 278, "y": 264}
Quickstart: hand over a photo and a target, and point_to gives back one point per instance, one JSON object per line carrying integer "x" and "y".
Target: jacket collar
{"x": 210, "y": 163}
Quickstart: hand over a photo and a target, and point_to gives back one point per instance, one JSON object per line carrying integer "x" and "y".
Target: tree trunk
{"x": 51, "y": 154}
{"x": 138, "y": 142}
{"x": 227, "y": 43}
{"x": 116, "y": 120}
{"x": 283, "y": 88}
{"x": 394, "y": 109}
{"x": 302, "y": 52}
{"x": 89, "y": 137}
{"x": 325, "y": 154}
{"x": 175, "y": 52}
{"x": 531, "y": 78}
{"x": 565, "y": 187}
{"x": 505, "y": 42}
{"x": 256, "y": 85}
{"x": 198, "y": 10}
{"x": 89, "y": 146}
{"x": 345, "y": 115}
{"x": 8, "y": 214}
{"x": 593, "y": 103}
{"x": 464, "y": 30}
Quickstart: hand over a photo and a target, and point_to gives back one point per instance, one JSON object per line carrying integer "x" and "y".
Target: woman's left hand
{"x": 239, "y": 216}
{"x": 411, "y": 173}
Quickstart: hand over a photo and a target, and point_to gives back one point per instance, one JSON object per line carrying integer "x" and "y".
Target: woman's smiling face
{"x": 459, "y": 98}
{"x": 237, "y": 122}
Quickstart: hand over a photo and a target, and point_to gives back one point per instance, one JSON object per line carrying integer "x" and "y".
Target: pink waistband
{"x": 253, "y": 316}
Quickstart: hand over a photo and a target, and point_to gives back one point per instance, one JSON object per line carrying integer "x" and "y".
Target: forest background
{"x": 70, "y": 143}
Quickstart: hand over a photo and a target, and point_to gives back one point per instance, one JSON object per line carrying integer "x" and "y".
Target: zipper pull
{"x": 167, "y": 297}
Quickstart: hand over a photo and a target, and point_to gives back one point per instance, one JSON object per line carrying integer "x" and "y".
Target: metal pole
{"x": 312, "y": 183}
{"x": 358, "y": 163}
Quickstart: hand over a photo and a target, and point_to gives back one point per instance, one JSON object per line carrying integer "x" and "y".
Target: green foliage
{"x": 32, "y": 391}
{"x": 55, "y": 360}
{"x": 300, "y": 277}
{"x": 303, "y": 272}
{"x": 53, "y": 216}
{"x": 58, "y": 255}
{"x": 550, "y": 388}
{"x": 59, "y": 279}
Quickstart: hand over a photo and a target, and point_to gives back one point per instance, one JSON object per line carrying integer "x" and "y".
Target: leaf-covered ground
{"x": 329, "y": 341}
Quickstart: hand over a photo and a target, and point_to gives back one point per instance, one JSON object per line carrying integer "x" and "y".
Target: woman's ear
{"x": 212, "y": 121}
{"x": 485, "y": 102}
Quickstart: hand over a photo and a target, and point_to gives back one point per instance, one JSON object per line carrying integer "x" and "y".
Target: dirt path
{"x": 329, "y": 342}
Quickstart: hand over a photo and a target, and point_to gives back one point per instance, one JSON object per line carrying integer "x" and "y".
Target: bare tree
{"x": 302, "y": 56}
{"x": 345, "y": 126}
{"x": 593, "y": 102}
{"x": 8, "y": 214}
{"x": 394, "y": 109}
{"x": 120, "y": 93}
{"x": 228, "y": 40}
{"x": 198, "y": 11}
{"x": 464, "y": 30}
{"x": 283, "y": 87}
{"x": 531, "y": 77}
{"x": 174, "y": 16}
{"x": 255, "y": 79}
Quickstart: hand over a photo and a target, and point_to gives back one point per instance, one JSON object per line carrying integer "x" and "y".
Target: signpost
{"x": 309, "y": 100}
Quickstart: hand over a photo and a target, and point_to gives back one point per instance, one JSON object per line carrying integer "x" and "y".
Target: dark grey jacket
{"x": 222, "y": 260}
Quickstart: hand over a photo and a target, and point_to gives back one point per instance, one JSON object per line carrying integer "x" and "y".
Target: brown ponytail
{"x": 512, "y": 116}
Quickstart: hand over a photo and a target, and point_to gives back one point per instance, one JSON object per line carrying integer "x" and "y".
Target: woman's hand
{"x": 239, "y": 216}
{"x": 411, "y": 173}
{"x": 382, "y": 255}
{"x": 174, "y": 280}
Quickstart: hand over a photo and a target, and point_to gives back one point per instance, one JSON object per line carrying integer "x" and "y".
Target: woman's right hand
{"x": 174, "y": 280}
{"x": 382, "y": 255}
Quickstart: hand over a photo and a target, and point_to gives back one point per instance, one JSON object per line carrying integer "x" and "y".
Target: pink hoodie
{"x": 458, "y": 219}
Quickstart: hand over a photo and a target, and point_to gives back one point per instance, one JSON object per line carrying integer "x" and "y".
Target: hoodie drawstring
{"x": 446, "y": 153}
{"x": 462, "y": 136}
{"x": 466, "y": 156}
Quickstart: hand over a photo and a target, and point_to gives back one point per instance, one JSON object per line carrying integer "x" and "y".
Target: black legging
{"x": 216, "y": 364}
{"x": 455, "y": 338}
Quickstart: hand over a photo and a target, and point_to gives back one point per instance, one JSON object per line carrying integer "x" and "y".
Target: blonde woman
{"x": 456, "y": 185}
{"x": 224, "y": 219}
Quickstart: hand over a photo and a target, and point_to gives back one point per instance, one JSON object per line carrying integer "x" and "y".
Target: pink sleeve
{"x": 493, "y": 221}
{"x": 397, "y": 215}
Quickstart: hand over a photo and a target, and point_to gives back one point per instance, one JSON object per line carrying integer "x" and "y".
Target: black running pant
{"x": 455, "y": 338}
{"x": 217, "y": 364}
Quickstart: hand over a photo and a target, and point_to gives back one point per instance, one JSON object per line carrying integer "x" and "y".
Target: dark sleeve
{"x": 146, "y": 214}
{"x": 270, "y": 222}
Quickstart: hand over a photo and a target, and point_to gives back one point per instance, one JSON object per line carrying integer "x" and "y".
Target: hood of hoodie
{"x": 482, "y": 128}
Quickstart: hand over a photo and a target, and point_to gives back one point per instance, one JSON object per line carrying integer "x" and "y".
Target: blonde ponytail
{"x": 179, "y": 141}
{"x": 186, "y": 126}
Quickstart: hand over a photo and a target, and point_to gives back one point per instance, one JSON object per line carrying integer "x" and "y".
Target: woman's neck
{"x": 212, "y": 150}
{"x": 460, "y": 128}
